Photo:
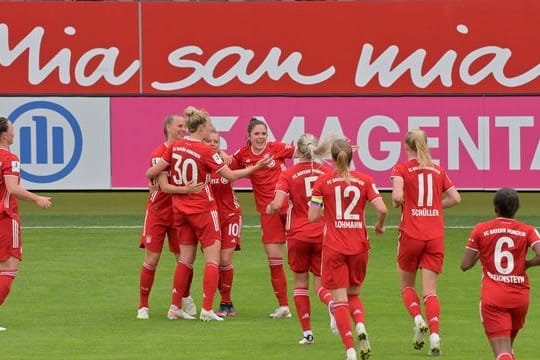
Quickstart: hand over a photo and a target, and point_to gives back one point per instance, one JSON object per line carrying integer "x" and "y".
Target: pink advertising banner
{"x": 483, "y": 142}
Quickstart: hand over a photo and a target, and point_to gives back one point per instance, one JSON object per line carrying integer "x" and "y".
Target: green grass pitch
{"x": 77, "y": 292}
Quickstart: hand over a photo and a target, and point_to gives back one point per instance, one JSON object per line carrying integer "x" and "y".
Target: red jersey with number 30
{"x": 344, "y": 206}
{"x": 423, "y": 189}
{"x": 10, "y": 166}
{"x": 297, "y": 182}
{"x": 264, "y": 180}
{"x": 502, "y": 244}
{"x": 192, "y": 161}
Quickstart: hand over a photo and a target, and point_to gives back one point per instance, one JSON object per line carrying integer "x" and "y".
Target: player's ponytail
{"x": 417, "y": 141}
{"x": 342, "y": 155}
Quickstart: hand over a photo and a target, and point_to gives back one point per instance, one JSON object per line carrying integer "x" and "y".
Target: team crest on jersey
{"x": 15, "y": 166}
{"x": 224, "y": 181}
{"x": 272, "y": 164}
{"x": 217, "y": 159}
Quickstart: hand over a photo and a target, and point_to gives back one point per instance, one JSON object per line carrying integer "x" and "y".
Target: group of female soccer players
{"x": 319, "y": 211}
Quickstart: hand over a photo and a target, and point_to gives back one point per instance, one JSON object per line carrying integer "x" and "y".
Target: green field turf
{"x": 77, "y": 291}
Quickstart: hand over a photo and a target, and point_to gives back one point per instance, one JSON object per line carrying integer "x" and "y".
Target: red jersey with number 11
{"x": 423, "y": 189}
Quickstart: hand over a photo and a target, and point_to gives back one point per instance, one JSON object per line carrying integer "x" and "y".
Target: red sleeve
{"x": 533, "y": 237}
{"x": 447, "y": 183}
{"x": 396, "y": 171}
{"x": 283, "y": 183}
{"x": 167, "y": 155}
{"x": 372, "y": 191}
{"x": 11, "y": 165}
{"x": 282, "y": 150}
{"x": 472, "y": 243}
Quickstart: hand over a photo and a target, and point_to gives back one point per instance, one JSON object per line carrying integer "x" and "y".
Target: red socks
{"x": 279, "y": 281}
{"x": 180, "y": 282}
{"x": 324, "y": 295}
{"x": 226, "y": 275}
{"x": 303, "y": 308}
{"x": 356, "y": 308}
{"x": 146, "y": 280}
{"x": 341, "y": 313}
{"x": 6, "y": 278}
{"x": 210, "y": 284}
{"x": 433, "y": 312}
{"x": 411, "y": 301}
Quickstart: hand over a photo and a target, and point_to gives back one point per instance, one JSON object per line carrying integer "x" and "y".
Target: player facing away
{"x": 304, "y": 238}
{"x": 264, "y": 182}
{"x": 501, "y": 246}
{"x": 230, "y": 222}
{"x": 158, "y": 223}
{"x": 344, "y": 194}
{"x": 418, "y": 186}
{"x": 10, "y": 228}
{"x": 190, "y": 163}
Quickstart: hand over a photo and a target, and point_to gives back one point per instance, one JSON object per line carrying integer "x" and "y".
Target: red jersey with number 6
{"x": 423, "y": 189}
{"x": 192, "y": 161}
{"x": 502, "y": 244}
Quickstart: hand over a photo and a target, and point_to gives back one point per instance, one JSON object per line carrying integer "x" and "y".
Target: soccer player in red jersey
{"x": 230, "y": 220}
{"x": 264, "y": 182}
{"x": 304, "y": 238}
{"x": 191, "y": 162}
{"x": 344, "y": 194}
{"x": 501, "y": 246}
{"x": 418, "y": 186}
{"x": 10, "y": 227}
{"x": 158, "y": 224}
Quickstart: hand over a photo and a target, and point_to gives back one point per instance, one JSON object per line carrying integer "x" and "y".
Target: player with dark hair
{"x": 501, "y": 246}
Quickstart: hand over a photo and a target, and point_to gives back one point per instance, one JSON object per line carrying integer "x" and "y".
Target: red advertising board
{"x": 69, "y": 48}
{"x": 253, "y": 48}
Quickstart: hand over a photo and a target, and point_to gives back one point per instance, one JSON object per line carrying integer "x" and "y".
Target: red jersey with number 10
{"x": 344, "y": 206}
{"x": 226, "y": 201}
{"x": 297, "y": 182}
{"x": 423, "y": 189}
{"x": 502, "y": 244}
{"x": 192, "y": 161}
{"x": 264, "y": 180}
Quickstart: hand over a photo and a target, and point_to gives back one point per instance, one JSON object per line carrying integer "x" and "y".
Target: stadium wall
{"x": 89, "y": 84}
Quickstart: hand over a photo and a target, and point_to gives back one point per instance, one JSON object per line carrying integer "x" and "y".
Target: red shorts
{"x": 273, "y": 228}
{"x": 501, "y": 321}
{"x": 10, "y": 238}
{"x": 304, "y": 256}
{"x": 154, "y": 230}
{"x": 343, "y": 271}
{"x": 230, "y": 231}
{"x": 414, "y": 254}
{"x": 202, "y": 227}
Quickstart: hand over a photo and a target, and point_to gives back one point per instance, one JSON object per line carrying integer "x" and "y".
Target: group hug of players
{"x": 317, "y": 207}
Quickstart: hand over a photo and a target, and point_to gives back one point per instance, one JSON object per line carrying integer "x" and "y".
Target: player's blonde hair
{"x": 416, "y": 139}
{"x": 168, "y": 121}
{"x": 195, "y": 118}
{"x": 309, "y": 148}
{"x": 342, "y": 155}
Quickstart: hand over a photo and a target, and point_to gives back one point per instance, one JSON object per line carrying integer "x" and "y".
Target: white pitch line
{"x": 250, "y": 227}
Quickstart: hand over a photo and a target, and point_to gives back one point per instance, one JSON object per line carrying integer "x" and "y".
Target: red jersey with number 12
{"x": 344, "y": 206}
{"x": 192, "y": 161}
{"x": 423, "y": 189}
